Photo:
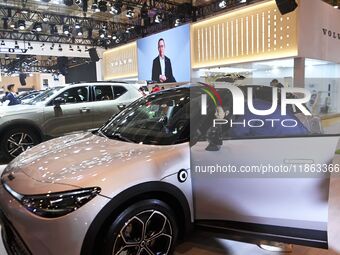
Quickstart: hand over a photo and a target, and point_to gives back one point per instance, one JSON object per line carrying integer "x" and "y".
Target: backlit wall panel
{"x": 255, "y": 32}
{"x": 120, "y": 62}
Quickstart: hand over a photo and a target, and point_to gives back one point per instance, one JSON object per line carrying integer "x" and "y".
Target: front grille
{"x": 12, "y": 241}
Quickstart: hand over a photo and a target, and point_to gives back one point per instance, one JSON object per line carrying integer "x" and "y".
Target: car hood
{"x": 87, "y": 160}
{"x": 19, "y": 109}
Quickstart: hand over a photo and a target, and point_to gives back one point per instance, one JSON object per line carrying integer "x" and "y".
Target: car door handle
{"x": 121, "y": 107}
{"x": 85, "y": 109}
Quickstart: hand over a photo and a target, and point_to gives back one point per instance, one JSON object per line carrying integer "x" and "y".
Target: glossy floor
{"x": 203, "y": 244}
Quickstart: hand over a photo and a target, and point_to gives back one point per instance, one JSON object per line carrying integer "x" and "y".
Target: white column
{"x": 99, "y": 65}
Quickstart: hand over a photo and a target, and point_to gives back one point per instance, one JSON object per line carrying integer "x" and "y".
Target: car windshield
{"x": 43, "y": 96}
{"x": 160, "y": 119}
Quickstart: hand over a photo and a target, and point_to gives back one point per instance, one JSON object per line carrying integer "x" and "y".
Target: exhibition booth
{"x": 118, "y": 171}
{"x": 255, "y": 42}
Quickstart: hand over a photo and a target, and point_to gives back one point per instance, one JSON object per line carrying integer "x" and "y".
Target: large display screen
{"x": 165, "y": 57}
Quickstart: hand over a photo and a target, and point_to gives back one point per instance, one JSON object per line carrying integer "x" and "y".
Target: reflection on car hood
{"x": 84, "y": 160}
{"x": 19, "y": 109}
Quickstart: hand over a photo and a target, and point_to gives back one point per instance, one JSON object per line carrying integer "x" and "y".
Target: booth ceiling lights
{"x": 222, "y": 4}
{"x": 79, "y": 32}
{"x": 116, "y": 8}
{"x": 21, "y": 24}
{"x": 102, "y": 33}
{"x": 24, "y": 11}
{"x": 178, "y": 22}
{"x": 37, "y": 27}
{"x": 158, "y": 18}
{"x": 72, "y": 22}
{"x": 130, "y": 13}
{"x": 66, "y": 29}
{"x": 94, "y": 6}
{"x": 45, "y": 19}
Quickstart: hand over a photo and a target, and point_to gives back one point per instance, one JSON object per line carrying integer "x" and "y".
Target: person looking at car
{"x": 11, "y": 96}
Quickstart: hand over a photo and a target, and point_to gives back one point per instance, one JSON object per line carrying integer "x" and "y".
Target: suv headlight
{"x": 58, "y": 204}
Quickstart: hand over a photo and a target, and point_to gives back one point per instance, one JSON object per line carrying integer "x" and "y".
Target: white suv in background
{"x": 61, "y": 110}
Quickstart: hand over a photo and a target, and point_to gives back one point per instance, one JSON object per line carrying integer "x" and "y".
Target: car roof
{"x": 198, "y": 86}
{"x": 102, "y": 83}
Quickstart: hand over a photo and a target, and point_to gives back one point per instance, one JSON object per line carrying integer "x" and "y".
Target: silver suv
{"x": 61, "y": 110}
{"x": 133, "y": 187}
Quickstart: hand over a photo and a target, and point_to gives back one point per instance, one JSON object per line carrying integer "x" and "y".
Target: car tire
{"x": 17, "y": 140}
{"x": 146, "y": 227}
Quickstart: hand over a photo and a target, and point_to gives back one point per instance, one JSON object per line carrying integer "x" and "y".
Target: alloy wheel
{"x": 18, "y": 143}
{"x": 147, "y": 233}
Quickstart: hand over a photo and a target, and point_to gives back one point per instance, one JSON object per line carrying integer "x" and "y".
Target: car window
{"x": 75, "y": 95}
{"x": 161, "y": 119}
{"x": 118, "y": 91}
{"x": 103, "y": 93}
{"x": 45, "y": 95}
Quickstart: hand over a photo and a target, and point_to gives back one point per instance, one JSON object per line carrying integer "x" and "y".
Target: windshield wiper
{"x": 122, "y": 138}
{"x": 99, "y": 132}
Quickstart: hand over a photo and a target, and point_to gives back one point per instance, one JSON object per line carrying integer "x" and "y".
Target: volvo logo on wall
{"x": 331, "y": 34}
{"x": 122, "y": 62}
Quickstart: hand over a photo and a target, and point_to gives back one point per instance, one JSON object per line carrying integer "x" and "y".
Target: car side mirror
{"x": 214, "y": 136}
{"x": 59, "y": 101}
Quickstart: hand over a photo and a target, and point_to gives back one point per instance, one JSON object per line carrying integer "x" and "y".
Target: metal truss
{"x": 58, "y": 19}
{"x": 26, "y": 36}
{"x": 92, "y": 25}
{"x": 29, "y": 63}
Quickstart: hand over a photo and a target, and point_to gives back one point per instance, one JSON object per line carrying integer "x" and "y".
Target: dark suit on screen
{"x": 156, "y": 70}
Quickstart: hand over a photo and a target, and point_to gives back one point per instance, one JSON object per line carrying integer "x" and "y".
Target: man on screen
{"x": 161, "y": 67}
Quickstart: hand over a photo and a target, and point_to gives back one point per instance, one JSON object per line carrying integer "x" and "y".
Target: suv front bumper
{"x": 25, "y": 233}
